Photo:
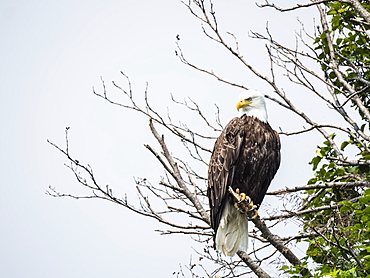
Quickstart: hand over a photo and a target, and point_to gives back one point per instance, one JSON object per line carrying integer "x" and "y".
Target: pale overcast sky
{"x": 52, "y": 53}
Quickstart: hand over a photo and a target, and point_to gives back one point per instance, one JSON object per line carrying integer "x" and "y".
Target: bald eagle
{"x": 244, "y": 160}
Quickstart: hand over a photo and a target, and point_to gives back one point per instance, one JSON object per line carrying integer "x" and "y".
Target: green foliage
{"x": 341, "y": 245}
{"x": 351, "y": 45}
{"x": 342, "y": 248}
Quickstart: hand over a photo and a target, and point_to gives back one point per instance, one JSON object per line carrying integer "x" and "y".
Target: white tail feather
{"x": 232, "y": 233}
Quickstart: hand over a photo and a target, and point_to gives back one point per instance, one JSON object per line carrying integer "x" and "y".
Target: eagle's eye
{"x": 249, "y": 99}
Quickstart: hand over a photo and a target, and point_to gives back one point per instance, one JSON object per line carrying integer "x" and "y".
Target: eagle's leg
{"x": 244, "y": 203}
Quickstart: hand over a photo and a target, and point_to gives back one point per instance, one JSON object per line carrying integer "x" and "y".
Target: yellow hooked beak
{"x": 242, "y": 103}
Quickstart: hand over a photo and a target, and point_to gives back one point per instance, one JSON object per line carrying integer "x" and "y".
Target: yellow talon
{"x": 255, "y": 215}
{"x": 243, "y": 197}
{"x": 243, "y": 203}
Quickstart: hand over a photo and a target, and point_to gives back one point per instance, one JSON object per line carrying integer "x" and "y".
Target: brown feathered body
{"x": 246, "y": 156}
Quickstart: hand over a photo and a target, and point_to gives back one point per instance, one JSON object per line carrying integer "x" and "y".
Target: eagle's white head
{"x": 252, "y": 103}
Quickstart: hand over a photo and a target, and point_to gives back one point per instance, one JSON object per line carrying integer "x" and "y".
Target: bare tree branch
{"x": 252, "y": 265}
{"x": 319, "y": 186}
{"x": 277, "y": 243}
{"x": 307, "y": 211}
{"x": 298, "y": 6}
